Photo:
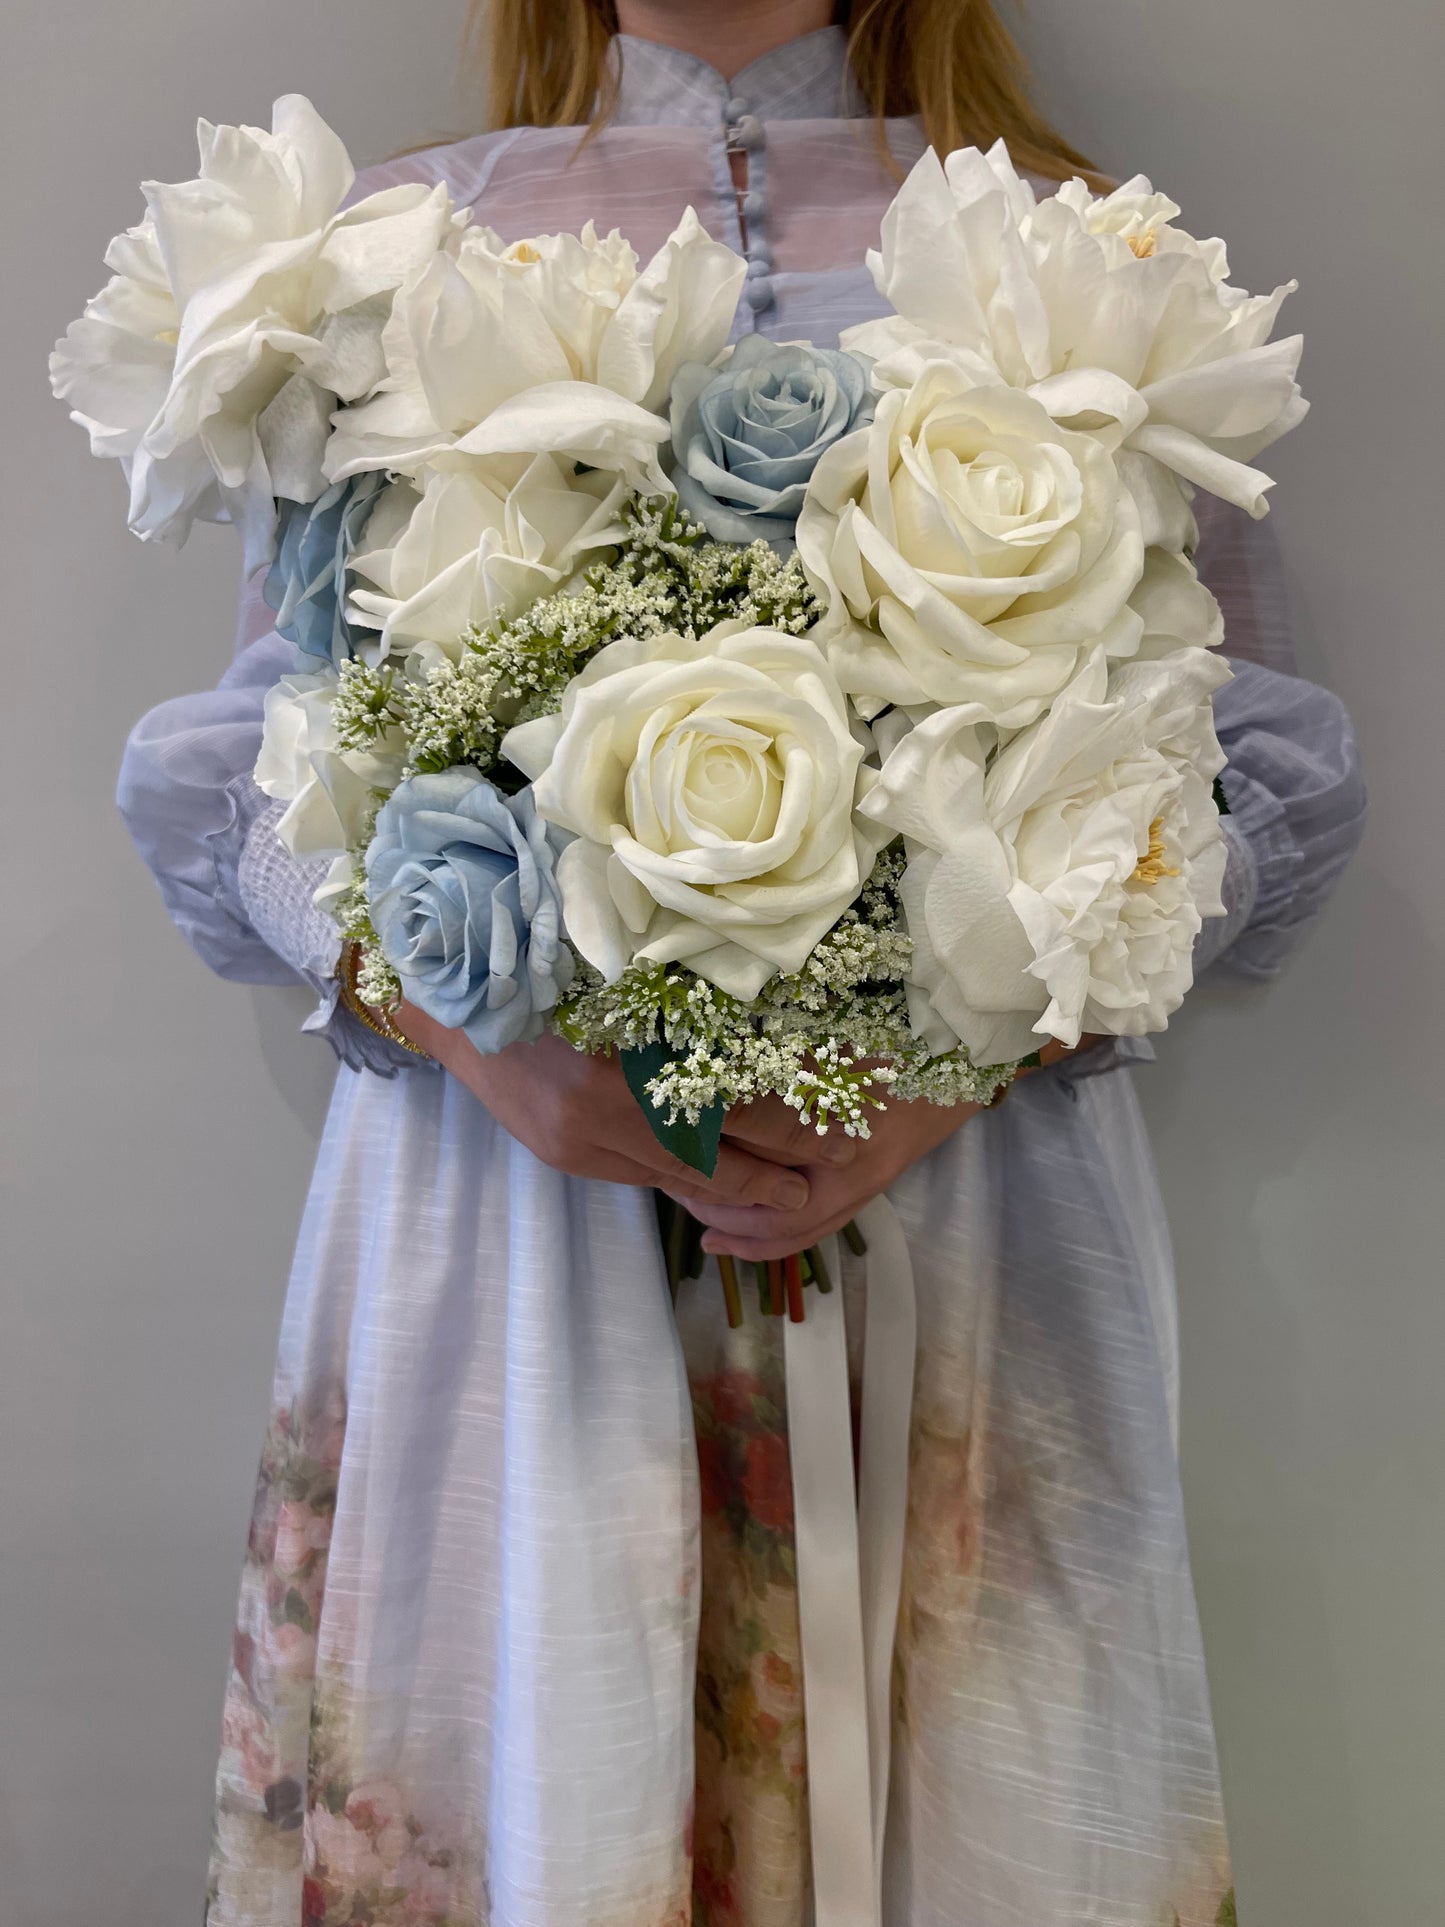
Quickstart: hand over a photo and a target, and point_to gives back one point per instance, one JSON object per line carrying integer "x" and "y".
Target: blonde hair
{"x": 951, "y": 62}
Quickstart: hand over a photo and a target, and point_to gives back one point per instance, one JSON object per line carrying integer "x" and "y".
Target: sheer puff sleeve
{"x": 1292, "y": 780}
{"x": 208, "y": 835}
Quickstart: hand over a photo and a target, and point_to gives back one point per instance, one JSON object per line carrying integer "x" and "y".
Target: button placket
{"x": 743, "y": 134}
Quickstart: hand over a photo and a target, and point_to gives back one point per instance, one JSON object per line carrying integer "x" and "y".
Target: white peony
{"x": 1056, "y": 885}
{"x": 969, "y": 550}
{"x": 278, "y": 301}
{"x": 115, "y": 362}
{"x": 555, "y": 344}
{"x": 679, "y": 309}
{"x": 1121, "y": 322}
{"x": 330, "y": 790}
{"x": 711, "y": 786}
{"x": 468, "y": 549}
{"x": 1143, "y": 219}
{"x": 1175, "y": 609}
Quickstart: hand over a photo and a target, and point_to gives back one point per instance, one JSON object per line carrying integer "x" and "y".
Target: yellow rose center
{"x": 1141, "y": 244}
{"x": 1151, "y": 866}
{"x": 525, "y": 252}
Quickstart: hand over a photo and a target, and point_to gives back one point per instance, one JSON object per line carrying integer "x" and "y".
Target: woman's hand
{"x": 577, "y": 1114}
{"x": 843, "y": 1173}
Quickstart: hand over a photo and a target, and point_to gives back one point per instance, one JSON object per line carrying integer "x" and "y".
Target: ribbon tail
{"x": 835, "y": 1691}
{"x": 890, "y": 1348}
{"x": 850, "y": 1563}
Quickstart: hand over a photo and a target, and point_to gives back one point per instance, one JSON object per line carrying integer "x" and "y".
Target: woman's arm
{"x": 1293, "y": 780}
{"x": 186, "y": 794}
{"x": 207, "y": 834}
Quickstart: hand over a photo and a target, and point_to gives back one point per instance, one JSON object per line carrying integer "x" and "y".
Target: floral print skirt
{"x": 518, "y": 1630}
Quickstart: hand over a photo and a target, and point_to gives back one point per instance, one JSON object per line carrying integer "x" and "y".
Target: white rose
{"x": 1121, "y": 322}
{"x": 279, "y": 302}
{"x": 330, "y": 790}
{"x": 1057, "y": 885}
{"x": 969, "y": 549}
{"x": 711, "y": 786}
{"x": 469, "y": 549}
{"x": 556, "y": 343}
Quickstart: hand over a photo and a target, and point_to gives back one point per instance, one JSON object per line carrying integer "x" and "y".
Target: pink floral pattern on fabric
{"x": 298, "y": 1837}
{"x": 750, "y": 1864}
{"x": 305, "y": 1836}
{"x": 372, "y": 1858}
{"x": 265, "y": 1726}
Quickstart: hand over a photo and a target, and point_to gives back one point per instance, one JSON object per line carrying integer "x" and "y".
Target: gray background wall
{"x": 159, "y": 1124}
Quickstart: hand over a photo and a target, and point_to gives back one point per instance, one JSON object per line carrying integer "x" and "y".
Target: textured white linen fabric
{"x": 482, "y": 1427}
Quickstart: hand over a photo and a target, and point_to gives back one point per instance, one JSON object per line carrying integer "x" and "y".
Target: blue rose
{"x": 314, "y": 543}
{"x": 464, "y": 901}
{"x": 746, "y": 438}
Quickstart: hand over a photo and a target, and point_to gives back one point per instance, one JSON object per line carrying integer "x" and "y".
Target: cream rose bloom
{"x": 711, "y": 785}
{"x": 969, "y": 550}
{"x": 472, "y": 547}
{"x": 1057, "y": 884}
{"x": 329, "y": 790}
{"x": 278, "y": 300}
{"x": 558, "y": 343}
{"x": 1121, "y": 322}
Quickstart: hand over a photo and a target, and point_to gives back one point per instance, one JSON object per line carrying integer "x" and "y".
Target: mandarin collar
{"x": 806, "y": 79}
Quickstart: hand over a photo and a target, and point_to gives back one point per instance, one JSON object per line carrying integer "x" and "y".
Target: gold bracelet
{"x": 371, "y": 1015}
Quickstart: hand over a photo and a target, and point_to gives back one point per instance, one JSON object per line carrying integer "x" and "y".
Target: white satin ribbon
{"x": 850, "y": 1560}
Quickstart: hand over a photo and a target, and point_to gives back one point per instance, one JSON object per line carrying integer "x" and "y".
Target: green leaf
{"x": 1032, "y": 1062}
{"x": 1221, "y": 801}
{"x": 695, "y": 1144}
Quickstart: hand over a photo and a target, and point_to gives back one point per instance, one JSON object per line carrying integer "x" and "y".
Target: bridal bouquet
{"x": 822, "y": 722}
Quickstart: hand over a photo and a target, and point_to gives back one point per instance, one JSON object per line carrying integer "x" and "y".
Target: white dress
{"x": 518, "y": 1634}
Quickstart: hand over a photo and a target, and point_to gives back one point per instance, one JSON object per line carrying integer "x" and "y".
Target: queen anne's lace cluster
{"x": 666, "y": 576}
{"x": 831, "y": 1039}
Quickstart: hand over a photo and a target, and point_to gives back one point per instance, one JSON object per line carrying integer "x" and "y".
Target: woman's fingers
{"x": 769, "y": 1128}
{"x": 620, "y": 1170}
{"x": 740, "y": 1183}
{"x": 780, "y": 1245}
{"x": 614, "y": 1121}
{"x": 830, "y": 1202}
{"x": 901, "y": 1134}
